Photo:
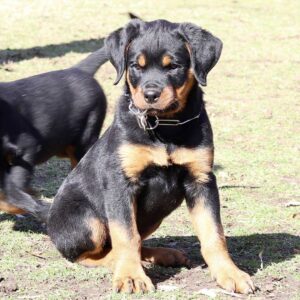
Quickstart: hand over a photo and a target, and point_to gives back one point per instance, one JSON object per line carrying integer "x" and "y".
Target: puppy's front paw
{"x": 233, "y": 279}
{"x": 132, "y": 280}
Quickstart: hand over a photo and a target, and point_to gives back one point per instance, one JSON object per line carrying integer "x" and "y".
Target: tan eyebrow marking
{"x": 142, "y": 60}
{"x": 166, "y": 60}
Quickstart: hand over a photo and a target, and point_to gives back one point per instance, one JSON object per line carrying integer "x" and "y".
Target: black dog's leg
{"x": 16, "y": 180}
{"x": 204, "y": 207}
{"x": 129, "y": 275}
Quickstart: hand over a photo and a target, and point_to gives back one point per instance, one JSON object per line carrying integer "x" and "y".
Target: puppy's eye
{"x": 172, "y": 67}
{"x": 135, "y": 66}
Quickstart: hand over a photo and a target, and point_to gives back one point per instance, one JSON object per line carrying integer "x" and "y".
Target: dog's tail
{"x": 93, "y": 62}
{"x": 133, "y": 16}
{"x": 18, "y": 198}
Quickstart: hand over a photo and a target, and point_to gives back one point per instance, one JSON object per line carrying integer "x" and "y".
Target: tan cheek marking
{"x": 198, "y": 161}
{"x": 180, "y": 93}
{"x": 137, "y": 94}
{"x": 188, "y": 47}
{"x": 166, "y": 60}
{"x": 135, "y": 158}
{"x": 183, "y": 91}
{"x": 142, "y": 60}
{"x": 166, "y": 97}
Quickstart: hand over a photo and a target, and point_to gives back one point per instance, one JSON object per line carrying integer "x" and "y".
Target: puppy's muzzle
{"x": 152, "y": 93}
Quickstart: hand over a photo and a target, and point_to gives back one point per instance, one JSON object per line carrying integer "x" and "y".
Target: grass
{"x": 253, "y": 102}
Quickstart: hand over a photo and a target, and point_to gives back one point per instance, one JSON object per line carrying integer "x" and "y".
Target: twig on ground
{"x": 260, "y": 255}
{"x": 36, "y": 255}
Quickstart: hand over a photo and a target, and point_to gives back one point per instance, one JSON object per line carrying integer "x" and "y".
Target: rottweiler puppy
{"x": 56, "y": 113}
{"x": 157, "y": 152}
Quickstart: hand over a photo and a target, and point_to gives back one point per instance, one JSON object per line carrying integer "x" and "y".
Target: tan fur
{"x": 215, "y": 252}
{"x": 199, "y": 161}
{"x": 136, "y": 158}
{"x": 142, "y": 60}
{"x": 181, "y": 94}
{"x": 136, "y": 93}
{"x": 98, "y": 237}
{"x": 129, "y": 275}
{"x": 69, "y": 152}
{"x": 164, "y": 256}
{"x": 8, "y": 208}
{"x": 183, "y": 91}
{"x": 165, "y": 99}
{"x": 209, "y": 232}
{"x": 166, "y": 60}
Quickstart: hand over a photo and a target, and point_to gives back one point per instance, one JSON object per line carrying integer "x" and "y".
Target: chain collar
{"x": 143, "y": 122}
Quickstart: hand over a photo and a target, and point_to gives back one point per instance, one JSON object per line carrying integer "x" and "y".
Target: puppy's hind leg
{"x": 76, "y": 230}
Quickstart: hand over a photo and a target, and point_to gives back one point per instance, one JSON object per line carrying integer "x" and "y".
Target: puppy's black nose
{"x": 152, "y": 95}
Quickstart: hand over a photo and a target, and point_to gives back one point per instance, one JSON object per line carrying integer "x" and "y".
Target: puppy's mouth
{"x": 172, "y": 106}
{"x": 166, "y": 104}
{"x": 160, "y": 107}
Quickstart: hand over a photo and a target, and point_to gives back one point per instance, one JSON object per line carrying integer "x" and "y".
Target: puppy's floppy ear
{"x": 117, "y": 45}
{"x": 205, "y": 49}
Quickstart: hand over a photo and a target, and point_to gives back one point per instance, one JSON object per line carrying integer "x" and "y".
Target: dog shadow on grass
{"x": 24, "y": 223}
{"x": 245, "y": 250}
{"x": 50, "y": 51}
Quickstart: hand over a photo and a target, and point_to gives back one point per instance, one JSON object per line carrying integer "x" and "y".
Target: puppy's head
{"x": 162, "y": 62}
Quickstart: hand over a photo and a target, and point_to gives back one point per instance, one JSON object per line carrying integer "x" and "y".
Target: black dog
{"x": 158, "y": 151}
{"x": 56, "y": 113}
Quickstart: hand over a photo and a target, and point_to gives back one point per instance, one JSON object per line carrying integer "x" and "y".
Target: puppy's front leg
{"x": 204, "y": 207}
{"x": 129, "y": 275}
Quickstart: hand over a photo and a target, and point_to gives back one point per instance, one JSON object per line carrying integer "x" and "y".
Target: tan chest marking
{"x": 136, "y": 158}
{"x": 199, "y": 161}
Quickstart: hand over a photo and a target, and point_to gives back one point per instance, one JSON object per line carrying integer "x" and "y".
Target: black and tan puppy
{"x": 56, "y": 113}
{"x": 157, "y": 152}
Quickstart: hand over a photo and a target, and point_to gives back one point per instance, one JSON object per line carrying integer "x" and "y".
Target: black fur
{"x": 41, "y": 115}
{"x": 98, "y": 186}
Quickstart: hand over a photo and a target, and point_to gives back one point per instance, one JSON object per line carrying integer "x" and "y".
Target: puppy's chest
{"x": 137, "y": 158}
